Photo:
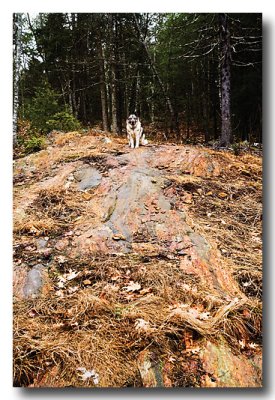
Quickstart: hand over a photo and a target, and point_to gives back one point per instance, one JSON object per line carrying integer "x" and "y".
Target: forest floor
{"x": 137, "y": 268}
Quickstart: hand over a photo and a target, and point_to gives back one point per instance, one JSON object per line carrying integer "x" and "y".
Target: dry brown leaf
{"x": 34, "y": 230}
{"x": 242, "y": 344}
{"x": 143, "y": 326}
{"x": 33, "y": 313}
{"x": 204, "y": 316}
{"x": 132, "y": 287}
{"x": 61, "y": 259}
{"x": 118, "y": 236}
{"x": 146, "y": 291}
{"x": 253, "y": 345}
{"x": 71, "y": 275}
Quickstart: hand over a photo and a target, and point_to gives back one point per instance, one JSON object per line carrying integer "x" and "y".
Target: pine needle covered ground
{"x": 148, "y": 262}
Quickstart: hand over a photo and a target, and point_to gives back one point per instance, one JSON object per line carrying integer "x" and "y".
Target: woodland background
{"x": 189, "y": 76}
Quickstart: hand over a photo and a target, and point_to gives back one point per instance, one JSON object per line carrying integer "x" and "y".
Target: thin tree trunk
{"x": 113, "y": 86}
{"x": 103, "y": 92}
{"x": 226, "y": 131}
{"x": 213, "y": 95}
{"x": 114, "y": 98}
{"x": 156, "y": 74}
{"x": 137, "y": 94}
{"x": 126, "y": 85}
{"x": 17, "y": 32}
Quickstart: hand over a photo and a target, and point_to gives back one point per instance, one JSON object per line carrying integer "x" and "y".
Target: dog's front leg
{"x": 131, "y": 142}
{"x": 137, "y": 141}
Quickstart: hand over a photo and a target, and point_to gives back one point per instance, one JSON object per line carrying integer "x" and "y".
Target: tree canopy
{"x": 188, "y": 75}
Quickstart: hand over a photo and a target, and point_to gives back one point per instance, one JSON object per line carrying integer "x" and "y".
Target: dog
{"x": 135, "y": 132}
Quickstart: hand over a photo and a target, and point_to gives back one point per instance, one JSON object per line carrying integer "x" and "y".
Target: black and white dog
{"x": 135, "y": 133}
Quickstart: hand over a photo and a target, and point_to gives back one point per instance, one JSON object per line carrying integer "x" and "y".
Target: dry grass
{"x": 51, "y": 212}
{"x": 98, "y": 320}
{"x": 94, "y": 321}
{"x": 228, "y": 211}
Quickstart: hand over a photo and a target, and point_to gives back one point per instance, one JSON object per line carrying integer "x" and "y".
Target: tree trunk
{"x": 17, "y": 33}
{"x": 103, "y": 91}
{"x": 156, "y": 74}
{"x": 113, "y": 86}
{"x": 114, "y": 126}
{"x": 226, "y": 131}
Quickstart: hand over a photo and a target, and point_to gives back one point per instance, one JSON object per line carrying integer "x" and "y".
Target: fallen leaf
{"x": 58, "y": 325}
{"x": 60, "y": 284}
{"x": 209, "y": 381}
{"x": 61, "y": 259}
{"x": 253, "y": 345}
{"x": 87, "y": 282}
{"x": 118, "y": 236}
{"x": 132, "y": 287}
{"x": 73, "y": 289}
{"x": 222, "y": 195}
{"x": 188, "y": 339}
{"x": 193, "y": 350}
{"x": 34, "y": 230}
{"x": 146, "y": 291}
{"x": 86, "y": 374}
{"x": 242, "y": 344}
{"x": 143, "y": 326}
{"x": 246, "y": 313}
{"x": 204, "y": 316}
{"x": 87, "y": 196}
{"x": 33, "y": 313}
{"x": 193, "y": 312}
{"x": 209, "y": 193}
{"x": 59, "y": 293}
{"x": 70, "y": 233}
{"x": 71, "y": 275}
{"x": 114, "y": 278}
{"x": 187, "y": 198}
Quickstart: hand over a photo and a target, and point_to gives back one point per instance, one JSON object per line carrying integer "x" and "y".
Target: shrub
{"x": 45, "y": 114}
{"x": 34, "y": 143}
{"x": 42, "y": 107}
{"x": 63, "y": 121}
{"x": 28, "y": 139}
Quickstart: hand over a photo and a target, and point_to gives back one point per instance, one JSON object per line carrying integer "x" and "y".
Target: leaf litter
{"x": 104, "y": 310}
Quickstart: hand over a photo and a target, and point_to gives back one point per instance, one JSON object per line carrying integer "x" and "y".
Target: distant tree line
{"x": 187, "y": 74}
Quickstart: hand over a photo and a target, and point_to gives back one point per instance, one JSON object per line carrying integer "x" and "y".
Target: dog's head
{"x": 132, "y": 120}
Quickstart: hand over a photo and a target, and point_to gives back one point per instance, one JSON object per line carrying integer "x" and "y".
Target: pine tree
{"x": 17, "y": 37}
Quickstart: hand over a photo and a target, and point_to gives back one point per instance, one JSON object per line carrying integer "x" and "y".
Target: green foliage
{"x": 236, "y": 149}
{"x": 34, "y": 143}
{"x": 63, "y": 121}
{"x": 29, "y": 140}
{"x": 45, "y": 114}
{"x": 42, "y": 107}
{"x": 63, "y": 48}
